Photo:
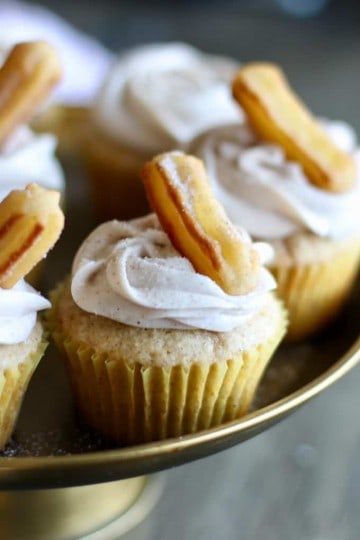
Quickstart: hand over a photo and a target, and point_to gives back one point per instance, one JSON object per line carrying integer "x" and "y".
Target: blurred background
{"x": 316, "y": 41}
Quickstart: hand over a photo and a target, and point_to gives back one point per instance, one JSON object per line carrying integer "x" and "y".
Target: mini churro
{"x": 26, "y": 78}
{"x": 30, "y": 223}
{"x": 180, "y": 194}
{"x": 277, "y": 115}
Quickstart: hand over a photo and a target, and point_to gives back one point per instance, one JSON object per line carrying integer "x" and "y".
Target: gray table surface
{"x": 298, "y": 481}
{"x": 301, "y": 479}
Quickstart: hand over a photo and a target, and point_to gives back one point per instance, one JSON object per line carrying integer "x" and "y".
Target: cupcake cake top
{"x": 33, "y": 69}
{"x": 159, "y": 96}
{"x": 30, "y": 223}
{"x": 279, "y": 172}
{"x": 137, "y": 272}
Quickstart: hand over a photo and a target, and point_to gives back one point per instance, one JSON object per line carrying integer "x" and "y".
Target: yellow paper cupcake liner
{"x": 314, "y": 293}
{"x": 132, "y": 403}
{"x": 13, "y": 384}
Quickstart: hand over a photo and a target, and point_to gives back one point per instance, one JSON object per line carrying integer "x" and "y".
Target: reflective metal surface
{"x": 100, "y": 512}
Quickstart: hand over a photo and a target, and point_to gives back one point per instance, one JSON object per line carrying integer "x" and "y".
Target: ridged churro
{"x": 30, "y": 223}
{"x": 26, "y": 78}
{"x": 277, "y": 115}
{"x": 180, "y": 194}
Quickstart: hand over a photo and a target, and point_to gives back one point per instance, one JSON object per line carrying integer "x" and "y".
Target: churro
{"x": 277, "y": 115}
{"x": 196, "y": 223}
{"x": 30, "y": 223}
{"x": 26, "y": 78}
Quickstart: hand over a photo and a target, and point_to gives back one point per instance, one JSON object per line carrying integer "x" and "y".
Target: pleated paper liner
{"x": 314, "y": 293}
{"x": 132, "y": 403}
{"x": 13, "y": 385}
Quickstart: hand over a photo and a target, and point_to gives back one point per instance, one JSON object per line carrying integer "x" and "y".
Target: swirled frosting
{"x": 270, "y": 196}
{"x": 158, "y": 97}
{"x": 129, "y": 272}
{"x": 27, "y": 158}
{"x": 18, "y": 311}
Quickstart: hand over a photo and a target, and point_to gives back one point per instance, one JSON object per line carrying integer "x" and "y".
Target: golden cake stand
{"x": 59, "y": 481}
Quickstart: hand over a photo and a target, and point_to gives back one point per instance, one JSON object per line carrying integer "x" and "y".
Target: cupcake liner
{"x": 133, "y": 403}
{"x": 13, "y": 384}
{"x": 314, "y": 293}
{"x": 114, "y": 178}
{"x": 68, "y": 123}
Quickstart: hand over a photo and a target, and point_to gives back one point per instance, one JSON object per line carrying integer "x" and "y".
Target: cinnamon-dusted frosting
{"x": 129, "y": 272}
{"x": 18, "y": 311}
{"x": 158, "y": 97}
{"x": 270, "y": 196}
{"x": 26, "y": 158}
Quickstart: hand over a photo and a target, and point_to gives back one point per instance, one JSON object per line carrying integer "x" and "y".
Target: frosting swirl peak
{"x": 158, "y": 97}
{"x": 27, "y": 158}
{"x": 18, "y": 307}
{"x": 130, "y": 272}
{"x": 270, "y": 196}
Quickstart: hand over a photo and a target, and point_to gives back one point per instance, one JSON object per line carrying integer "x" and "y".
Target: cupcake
{"x": 166, "y": 331}
{"x": 84, "y": 62}
{"x": 30, "y": 222}
{"x": 155, "y": 98}
{"x": 25, "y": 157}
{"x": 312, "y": 225}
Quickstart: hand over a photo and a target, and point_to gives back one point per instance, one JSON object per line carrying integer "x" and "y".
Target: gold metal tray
{"x": 51, "y": 448}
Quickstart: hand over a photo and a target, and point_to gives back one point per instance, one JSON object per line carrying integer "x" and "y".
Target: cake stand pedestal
{"x": 96, "y": 512}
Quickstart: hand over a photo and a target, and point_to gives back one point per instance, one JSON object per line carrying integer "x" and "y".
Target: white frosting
{"x": 27, "y": 158}
{"x": 18, "y": 309}
{"x": 270, "y": 196}
{"x": 84, "y": 60}
{"x": 129, "y": 272}
{"x": 158, "y": 97}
